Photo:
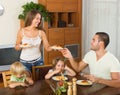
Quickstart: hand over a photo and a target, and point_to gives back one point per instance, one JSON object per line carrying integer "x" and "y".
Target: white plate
{"x": 58, "y": 78}
{"x": 56, "y": 47}
{"x": 84, "y": 82}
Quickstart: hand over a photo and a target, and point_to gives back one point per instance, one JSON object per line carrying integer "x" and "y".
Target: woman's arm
{"x": 18, "y": 40}
{"x": 45, "y": 41}
{"x": 70, "y": 72}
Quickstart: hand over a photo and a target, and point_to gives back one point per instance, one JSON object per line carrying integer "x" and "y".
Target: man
{"x": 104, "y": 67}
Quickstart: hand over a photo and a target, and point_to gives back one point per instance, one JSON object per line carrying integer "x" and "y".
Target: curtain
{"x": 101, "y": 16}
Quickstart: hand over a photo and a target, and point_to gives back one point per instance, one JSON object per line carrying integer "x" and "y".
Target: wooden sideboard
{"x": 65, "y": 27}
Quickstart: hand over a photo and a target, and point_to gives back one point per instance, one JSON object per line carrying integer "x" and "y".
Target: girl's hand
{"x": 66, "y": 67}
{"x": 57, "y": 71}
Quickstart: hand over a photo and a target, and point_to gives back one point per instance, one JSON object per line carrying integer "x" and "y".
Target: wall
{"x": 102, "y": 15}
{"x": 9, "y": 22}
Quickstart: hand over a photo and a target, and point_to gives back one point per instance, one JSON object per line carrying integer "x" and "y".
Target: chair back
{"x": 39, "y": 72}
{"x": 6, "y": 78}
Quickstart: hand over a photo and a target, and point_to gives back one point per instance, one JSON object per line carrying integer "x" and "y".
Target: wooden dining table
{"x": 44, "y": 87}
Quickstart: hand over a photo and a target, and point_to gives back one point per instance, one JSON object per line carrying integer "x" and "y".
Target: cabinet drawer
{"x": 56, "y": 36}
{"x": 70, "y": 6}
{"x": 54, "y": 6}
{"x": 62, "y": 5}
{"x": 72, "y": 36}
{"x": 55, "y": 0}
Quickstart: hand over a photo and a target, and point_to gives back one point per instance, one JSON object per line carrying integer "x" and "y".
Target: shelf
{"x": 63, "y": 19}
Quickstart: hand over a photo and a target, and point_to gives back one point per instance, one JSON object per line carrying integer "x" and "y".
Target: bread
{"x": 56, "y": 47}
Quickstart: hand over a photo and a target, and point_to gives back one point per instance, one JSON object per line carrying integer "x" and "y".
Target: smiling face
{"x": 33, "y": 18}
{"x": 36, "y": 20}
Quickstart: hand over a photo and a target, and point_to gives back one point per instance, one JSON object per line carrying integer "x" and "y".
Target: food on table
{"x": 85, "y": 82}
{"x": 60, "y": 77}
{"x": 62, "y": 86}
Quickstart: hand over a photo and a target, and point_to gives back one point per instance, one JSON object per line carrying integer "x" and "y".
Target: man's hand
{"x": 66, "y": 53}
{"x": 91, "y": 77}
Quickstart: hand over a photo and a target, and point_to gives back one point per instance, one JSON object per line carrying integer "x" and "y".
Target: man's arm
{"x": 114, "y": 82}
{"x": 76, "y": 66}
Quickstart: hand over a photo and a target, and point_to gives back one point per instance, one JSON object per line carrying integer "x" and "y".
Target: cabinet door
{"x": 62, "y": 5}
{"x": 56, "y": 36}
{"x": 53, "y": 54}
{"x": 72, "y": 36}
{"x": 69, "y": 6}
{"x": 54, "y": 5}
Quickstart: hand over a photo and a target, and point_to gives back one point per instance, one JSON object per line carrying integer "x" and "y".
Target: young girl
{"x": 59, "y": 67}
{"x": 19, "y": 77}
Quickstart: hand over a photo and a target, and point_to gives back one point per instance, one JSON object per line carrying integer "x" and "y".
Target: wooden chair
{"x": 39, "y": 72}
{"x": 6, "y": 77}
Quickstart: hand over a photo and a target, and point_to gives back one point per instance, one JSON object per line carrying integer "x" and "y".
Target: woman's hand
{"x": 17, "y": 47}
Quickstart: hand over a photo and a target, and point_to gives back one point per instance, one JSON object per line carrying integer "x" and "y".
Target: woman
{"x": 29, "y": 40}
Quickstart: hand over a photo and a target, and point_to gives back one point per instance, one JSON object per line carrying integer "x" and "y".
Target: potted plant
{"x": 30, "y": 6}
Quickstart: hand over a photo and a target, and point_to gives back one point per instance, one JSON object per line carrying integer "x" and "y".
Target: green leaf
{"x": 30, "y": 6}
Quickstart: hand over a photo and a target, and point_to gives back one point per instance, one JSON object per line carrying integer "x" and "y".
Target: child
{"x": 59, "y": 67}
{"x": 19, "y": 77}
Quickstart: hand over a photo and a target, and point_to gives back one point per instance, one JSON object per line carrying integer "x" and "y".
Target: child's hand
{"x": 66, "y": 67}
{"x": 24, "y": 84}
{"x": 31, "y": 82}
{"x": 57, "y": 71}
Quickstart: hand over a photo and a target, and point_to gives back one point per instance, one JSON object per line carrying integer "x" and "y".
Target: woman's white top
{"x": 32, "y": 52}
